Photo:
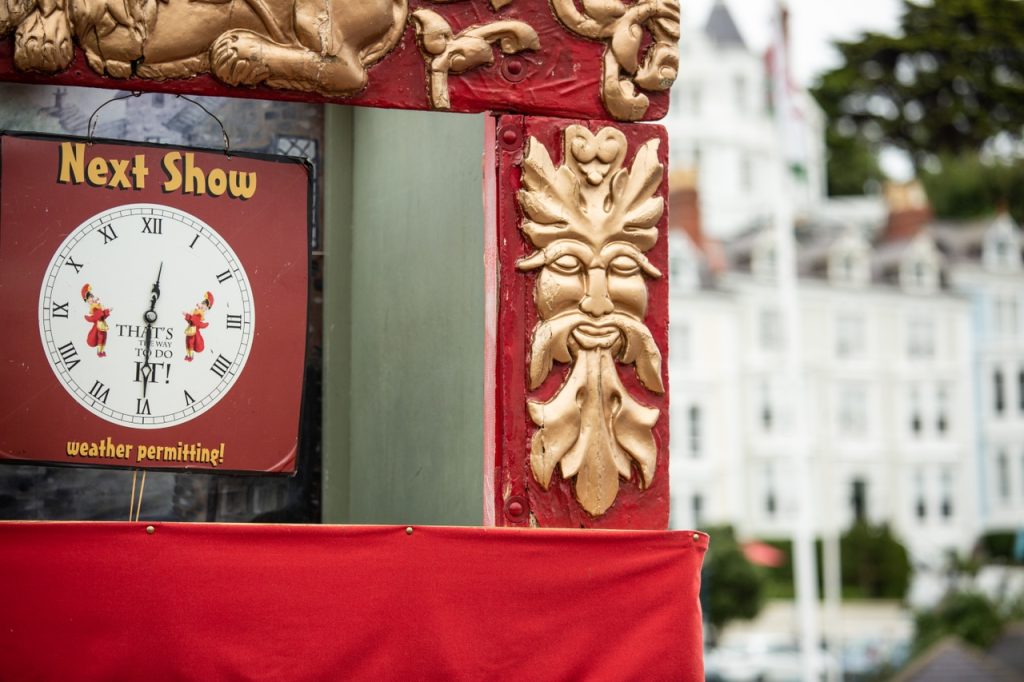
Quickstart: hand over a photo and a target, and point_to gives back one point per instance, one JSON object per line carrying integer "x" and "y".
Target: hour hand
{"x": 147, "y": 372}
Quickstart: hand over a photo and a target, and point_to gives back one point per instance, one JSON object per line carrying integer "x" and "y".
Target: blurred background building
{"x": 910, "y": 291}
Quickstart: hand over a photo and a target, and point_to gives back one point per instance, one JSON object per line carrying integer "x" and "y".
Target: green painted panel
{"x": 413, "y": 325}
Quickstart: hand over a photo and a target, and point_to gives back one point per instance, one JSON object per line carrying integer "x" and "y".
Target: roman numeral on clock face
{"x": 108, "y": 233}
{"x": 100, "y": 392}
{"x": 68, "y": 355}
{"x": 188, "y": 399}
{"x": 224, "y": 276}
{"x": 221, "y": 366}
{"x": 59, "y": 310}
{"x": 142, "y": 406}
{"x": 234, "y": 321}
{"x": 152, "y": 225}
{"x": 77, "y": 266}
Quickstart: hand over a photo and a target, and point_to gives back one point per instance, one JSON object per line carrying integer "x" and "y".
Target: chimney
{"x": 909, "y": 211}
{"x": 684, "y": 205}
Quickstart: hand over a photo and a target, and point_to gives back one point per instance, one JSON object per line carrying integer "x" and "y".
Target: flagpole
{"x": 805, "y": 568}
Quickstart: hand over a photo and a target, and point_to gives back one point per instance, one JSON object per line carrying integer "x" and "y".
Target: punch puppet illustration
{"x": 98, "y": 315}
{"x": 196, "y": 323}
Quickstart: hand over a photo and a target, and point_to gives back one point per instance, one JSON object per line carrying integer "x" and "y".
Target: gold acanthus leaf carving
{"x": 591, "y": 220}
{"x": 447, "y": 52}
{"x": 621, "y": 28}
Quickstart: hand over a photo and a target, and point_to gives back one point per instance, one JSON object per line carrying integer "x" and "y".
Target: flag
{"x": 785, "y": 98}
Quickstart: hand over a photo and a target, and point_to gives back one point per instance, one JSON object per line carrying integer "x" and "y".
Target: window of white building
{"x": 771, "y": 502}
{"x": 746, "y": 174}
{"x": 739, "y": 85}
{"x": 998, "y": 392}
{"x": 942, "y": 410}
{"x": 1004, "y": 315}
{"x": 770, "y": 329}
{"x": 680, "y": 336}
{"x": 916, "y": 420}
{"x": 683, "y": 267}
{"x": 848, "y": 263}
{"x": 853, "y": 411}
{"x": 697, "y": 506}
{"x": 850, "y": 342}
{"x": 1020, "y": 390}
{"x": 1001, "y": 251}
{"x": 859, "y": 500}
{"x": 920, "y": 496}
{"x": 694, "y": 424}
{"x": 921, "y": 337}
{"x": 766, "y": 412}
{"x": 920, "y": 275}
{"x": 1003, "y": 476}
{"x": 946, "y": 501}
{"x": 763, "y": 257}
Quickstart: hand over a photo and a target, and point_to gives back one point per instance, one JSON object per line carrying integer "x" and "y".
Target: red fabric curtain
{"x": 110, "y": 601}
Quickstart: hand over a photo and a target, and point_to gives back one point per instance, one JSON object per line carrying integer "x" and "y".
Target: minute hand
{"x": 150, "y": 317}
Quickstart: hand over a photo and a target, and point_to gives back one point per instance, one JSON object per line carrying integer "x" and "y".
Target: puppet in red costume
{"x": 98, "y": 316}
{"x": 193, "y": 335}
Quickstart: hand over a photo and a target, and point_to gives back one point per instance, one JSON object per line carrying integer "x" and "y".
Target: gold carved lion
{"x": 322, "y": 46}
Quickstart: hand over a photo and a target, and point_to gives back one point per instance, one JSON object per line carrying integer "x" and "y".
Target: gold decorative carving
{"x": 591, "y": 221}
{"x": 621, "y": 28}
{"x": 322, "y": 46}
{"x": 449, "y": 53}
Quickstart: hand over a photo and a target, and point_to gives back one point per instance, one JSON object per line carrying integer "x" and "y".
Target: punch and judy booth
{"x": 383, "y": 281}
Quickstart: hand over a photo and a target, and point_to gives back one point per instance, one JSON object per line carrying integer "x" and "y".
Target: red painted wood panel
{"x": 516, "y": 498}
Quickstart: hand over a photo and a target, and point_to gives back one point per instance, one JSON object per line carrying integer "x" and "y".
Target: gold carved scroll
{"x": 622, "y": 28}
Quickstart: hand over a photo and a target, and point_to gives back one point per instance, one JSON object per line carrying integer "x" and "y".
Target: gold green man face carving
{"x": 592, "y": 221}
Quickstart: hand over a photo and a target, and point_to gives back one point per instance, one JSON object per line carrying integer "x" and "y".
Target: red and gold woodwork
{"x": 580, "y": 383}
{"x": 595, "y": 60}
{"x": 576, "y": 382}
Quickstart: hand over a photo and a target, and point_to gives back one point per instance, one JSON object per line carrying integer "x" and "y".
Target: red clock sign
{"x": 156, "y": 305}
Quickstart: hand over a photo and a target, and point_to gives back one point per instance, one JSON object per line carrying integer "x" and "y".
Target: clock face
{"x": 146, "y": 316}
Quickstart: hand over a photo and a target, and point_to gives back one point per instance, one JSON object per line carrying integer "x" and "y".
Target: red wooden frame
{"x": 563, "y": 78}
{"x": 513, "y": 497}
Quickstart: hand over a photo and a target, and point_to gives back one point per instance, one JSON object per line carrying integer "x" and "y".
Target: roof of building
{"x": 951, "y": 660}
{"x": 721, "y": 28}
{"x": 1009, "y": 648}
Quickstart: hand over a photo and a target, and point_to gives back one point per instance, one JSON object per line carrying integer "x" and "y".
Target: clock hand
{"x": 150, "y": 317}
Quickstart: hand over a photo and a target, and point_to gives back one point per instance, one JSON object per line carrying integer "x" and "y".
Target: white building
{"x": 720, "y": 124}
{"x": 887, "y": 371}
{"x": 987, "y": 267}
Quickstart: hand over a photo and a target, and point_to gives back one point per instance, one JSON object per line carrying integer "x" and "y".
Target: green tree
{"x": 731, "y": 587}
{"x": 949, "y": 81}
{"x": 968, "y": 615}
{"x": 852, "y": 165}
{"x": 968, "y": 187}
{"x": 875, "y": 562}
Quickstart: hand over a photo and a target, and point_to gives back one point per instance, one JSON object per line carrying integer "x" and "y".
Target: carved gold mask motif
{"x": 591, "y": 221}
